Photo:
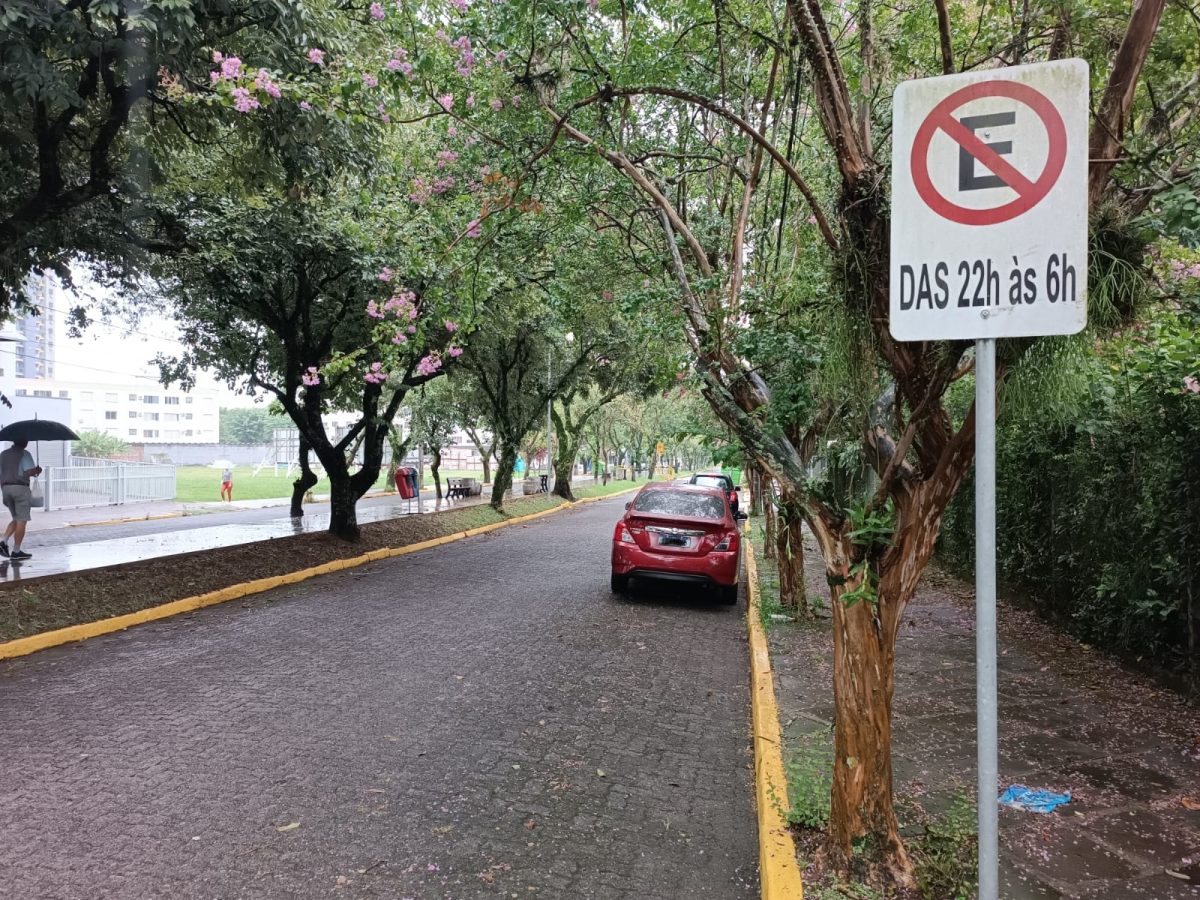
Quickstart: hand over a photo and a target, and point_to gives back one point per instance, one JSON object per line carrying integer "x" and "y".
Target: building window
{"x": 133, "y": 432}
{"x": 46, "y": 394}
{"x": 188, "y": 433}
{"x": 171, "y": 401}
{"x": 170, "y": 417}
{"x": 187, "y": 399}
{"x": 188, "y": 416}
{"x": 133, "y": 396}
{"x": 133, "y": 414}
{"x": 110, "y": 414}
{"x": 150, "y": 432}
{"x": 62, "y": 394}
{"x": 21, "y": 392}
{"x": 150, "y": 398}
{"x": 153, "y": 417}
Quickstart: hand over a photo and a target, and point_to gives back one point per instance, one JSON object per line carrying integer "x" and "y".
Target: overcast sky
{"x": 116, "y": 351}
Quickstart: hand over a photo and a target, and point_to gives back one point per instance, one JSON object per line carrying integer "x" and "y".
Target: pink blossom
{"x": 497, "y": 104}
{"x": 242, "y": 101}
{"x": 502, "y": 56}
{"x": 441, "y": 185}
{"x": 377, "y": 12}
{"x": 452, "y": 131}
{"x": 441, "y": 35}
{"x": 1191, "y": 385}
{"x": 214, "y": 77}
{"x": 516, "y": 100}
{"x": 474, "y": 228}
{"x": 461, "y": 43}
{"x": 370, "y": 80}
{"x": 394, "y": 64}
{"x": 305, "y": 105}
{"x": 373, "y": 310}
{"x": 411, "y": 329}
{"x": 375, "y": 375}
{"x": 470, "y": 101}
{"x": 400, "y": 338}
{"x": 472, "y": 140}
{"x": 216, "y": 56}
{"x": 446, "y": 102}
{"x": 461, "y": 5}
{"x": 455, "y": 352}
{"x": 383, "y": 114}
{"x": 311, "y": 377}
{"x": 316, "y": 56}
{"x": 231, "y": 67}
{"x": 446, "y": 158}
{"x": 593, "y": 4}
{"x": 451, "y": 326}
{"x": 406, "y": 68}
{"x": 428, "y": 366}
{"x": 606, "y": 295}
{"x": 385, "y": 274}
{"x": 400, "y": 53}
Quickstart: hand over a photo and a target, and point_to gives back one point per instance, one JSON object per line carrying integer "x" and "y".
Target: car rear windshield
{"x": 681, "y": 503}
{"x": 711, "y": 481}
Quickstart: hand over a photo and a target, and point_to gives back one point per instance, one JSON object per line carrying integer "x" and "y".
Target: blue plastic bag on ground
{"x": 1031, "y": 800}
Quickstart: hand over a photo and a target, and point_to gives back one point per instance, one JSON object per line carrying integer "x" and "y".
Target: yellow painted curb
{"x": 779, "y": 872}
{"x": 83, "y": 631}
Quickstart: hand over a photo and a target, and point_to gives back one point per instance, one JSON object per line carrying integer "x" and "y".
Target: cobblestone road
{"x": 479, "y": 720}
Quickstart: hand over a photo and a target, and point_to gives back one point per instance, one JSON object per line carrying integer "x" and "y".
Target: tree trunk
{"x": 304, "y": 483}
{"x": 434, "y": 467}
{"x": 769, "y": 520}
{"x": 861, "y": 799}
{"x": 487, "y": 466}
{"x": 789, "y": 552}
{"x": 343, "y": 516}
{"x": 504, "y": 473}
{"x": 756, "y": 481}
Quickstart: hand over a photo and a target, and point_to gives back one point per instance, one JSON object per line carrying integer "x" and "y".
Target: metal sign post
{"x": 989, "y": 240}
{"x": 985, "y": 617}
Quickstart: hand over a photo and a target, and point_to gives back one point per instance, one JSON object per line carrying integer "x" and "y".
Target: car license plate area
{"x": 674, "y": 540}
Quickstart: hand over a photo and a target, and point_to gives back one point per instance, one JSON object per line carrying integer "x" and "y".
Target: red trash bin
{"x": 404, "y": 484}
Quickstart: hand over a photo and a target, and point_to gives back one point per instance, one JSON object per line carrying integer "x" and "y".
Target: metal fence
{"x": 106, "y": 482}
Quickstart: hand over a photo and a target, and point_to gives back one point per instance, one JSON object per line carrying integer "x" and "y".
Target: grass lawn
{"x": 198, "y": 484}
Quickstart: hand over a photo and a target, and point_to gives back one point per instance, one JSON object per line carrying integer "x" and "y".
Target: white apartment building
{"x": 139, "y": 411}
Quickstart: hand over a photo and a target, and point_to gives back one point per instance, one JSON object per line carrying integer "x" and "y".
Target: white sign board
{"x": 989, "y": 203}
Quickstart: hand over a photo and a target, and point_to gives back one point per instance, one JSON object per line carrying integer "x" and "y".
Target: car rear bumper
{"x": 712, "y": 568}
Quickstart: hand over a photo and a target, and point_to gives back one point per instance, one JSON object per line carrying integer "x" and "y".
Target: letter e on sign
{"x": 989, "y": 204}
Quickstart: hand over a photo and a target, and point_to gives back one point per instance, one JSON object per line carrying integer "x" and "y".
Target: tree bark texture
{"x": 435, "y": 467}
{"x": 789, "y": 552}
{"x": 504, "y": 472}
{"x": 304, "y": 483}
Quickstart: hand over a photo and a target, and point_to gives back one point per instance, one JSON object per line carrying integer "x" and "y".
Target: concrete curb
{"x": 779, "y": 873}
{"x": 81, "y": 632}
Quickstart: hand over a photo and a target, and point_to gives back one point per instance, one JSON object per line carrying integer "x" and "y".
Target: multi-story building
{"x": 35, "y": 356}
{"x": 139, "y": 410}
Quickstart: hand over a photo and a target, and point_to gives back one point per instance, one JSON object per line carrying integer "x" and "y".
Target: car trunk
{"x": 675, "y": 535}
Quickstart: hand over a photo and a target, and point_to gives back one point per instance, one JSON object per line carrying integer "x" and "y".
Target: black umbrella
{"x": 37, "y": 430}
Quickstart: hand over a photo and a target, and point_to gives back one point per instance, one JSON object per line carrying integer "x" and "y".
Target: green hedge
{"x": 1098, "y": 520}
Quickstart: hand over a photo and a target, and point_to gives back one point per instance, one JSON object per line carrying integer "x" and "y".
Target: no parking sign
{"x": 989, "y": 203}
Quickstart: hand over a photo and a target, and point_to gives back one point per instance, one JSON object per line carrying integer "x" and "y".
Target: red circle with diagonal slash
{"x": 1030, "y": 193}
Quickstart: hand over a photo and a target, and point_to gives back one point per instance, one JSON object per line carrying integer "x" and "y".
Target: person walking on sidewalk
{"x": 227, "y": 484}
{"x": 16, "y": 468}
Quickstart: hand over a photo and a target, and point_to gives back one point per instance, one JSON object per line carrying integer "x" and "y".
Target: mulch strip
{"x": 57, "y": 601}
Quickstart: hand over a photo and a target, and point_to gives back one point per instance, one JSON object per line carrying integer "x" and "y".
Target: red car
{"x": 679, "y": 532}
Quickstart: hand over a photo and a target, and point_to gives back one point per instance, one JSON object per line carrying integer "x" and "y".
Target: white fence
{"x": 106, "y": 482}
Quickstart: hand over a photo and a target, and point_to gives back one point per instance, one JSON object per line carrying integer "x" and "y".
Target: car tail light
{"x": 728, "y": 543}
{"x": 624, "y": 536}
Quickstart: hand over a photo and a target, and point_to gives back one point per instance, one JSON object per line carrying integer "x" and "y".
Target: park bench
{"x": 463, "y": 487}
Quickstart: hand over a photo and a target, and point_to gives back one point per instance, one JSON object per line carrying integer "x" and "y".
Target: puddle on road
{"x": 115, "y": 551}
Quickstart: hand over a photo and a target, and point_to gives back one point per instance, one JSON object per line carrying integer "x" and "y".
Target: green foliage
{"x": 1098, "y": 512}
{"x": 946, "y": 853}
{"x": 240, "y": 425}
{"x": 809, "y": 772}
{"x": 98, "y": 445}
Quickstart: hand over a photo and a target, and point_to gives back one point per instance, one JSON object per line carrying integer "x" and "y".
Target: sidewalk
{"x": 1071, "y": 719}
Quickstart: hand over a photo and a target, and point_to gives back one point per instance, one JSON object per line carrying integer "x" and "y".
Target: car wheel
{"x": 619, "y": 583}
{"x": 729, "y": 594}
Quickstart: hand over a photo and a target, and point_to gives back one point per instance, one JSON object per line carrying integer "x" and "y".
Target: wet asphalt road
{"x": 483, "y": 719}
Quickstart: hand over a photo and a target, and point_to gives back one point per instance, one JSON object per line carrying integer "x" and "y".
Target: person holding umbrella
{"x": 16, "y": 468}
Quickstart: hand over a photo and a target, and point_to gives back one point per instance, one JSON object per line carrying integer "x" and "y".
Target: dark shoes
{"x": 4, "y": 549}
{"x": 19, "y": 555}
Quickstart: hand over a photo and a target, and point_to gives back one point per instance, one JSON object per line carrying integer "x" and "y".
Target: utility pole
{"x": 549, "y": 404}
